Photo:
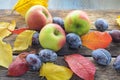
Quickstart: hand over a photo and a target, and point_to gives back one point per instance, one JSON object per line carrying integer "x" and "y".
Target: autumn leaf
{"x": 19, "y": 66}
{"x": 96, "y": 39}
{"x": 22, "y": 6}
{"x": 5, "y": 54}
{"x": 18, "y": 31}
{"x": 55, "y": 72}
{"x": 118, "y": 20}
{"x": 23, "y": 40}
{"x": 4, "y": 26}
{"x": 81, "y": 66}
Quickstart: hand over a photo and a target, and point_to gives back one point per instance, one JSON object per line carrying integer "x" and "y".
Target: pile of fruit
{"x": 51, "y": 34}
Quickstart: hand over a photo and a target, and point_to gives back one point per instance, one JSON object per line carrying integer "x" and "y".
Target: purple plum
{"x": 101, "y": 24}
{"x": 58, "y": 21}
{"x": 73, "y": 41}
{"x": 115, "y": 34}
{"x": 101, "y": 56}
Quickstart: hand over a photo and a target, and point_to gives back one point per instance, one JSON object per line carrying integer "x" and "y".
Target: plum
{"x": 47, "y": 55}
{"x": 58, "y": 21}
{"x": 35, "y": 39}
{"x": 101, "y": 24}
{"x": 116, "y": 63}
{"x": 115, "y": 34}
{"x": 73, "y": 41}
{"x": 101, "y": 56}
{"x": 34, "y": 62}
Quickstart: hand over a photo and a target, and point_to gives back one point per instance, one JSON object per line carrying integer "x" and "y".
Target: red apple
{"x": 52, "y": 36}
{"x": 37, "y": 17}
{"x": 77, "y": 22}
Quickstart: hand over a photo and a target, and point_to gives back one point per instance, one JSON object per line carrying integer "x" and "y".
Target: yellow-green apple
{"x": 37, "y": 17}
{"x": 77, "y": 22}
{"x": 52, "y": 36}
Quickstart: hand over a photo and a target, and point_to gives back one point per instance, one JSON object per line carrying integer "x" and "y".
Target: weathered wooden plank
{"x": 113, "y": 48}
{"x": 102, "y": 72}
{"x": 109, "y": 15}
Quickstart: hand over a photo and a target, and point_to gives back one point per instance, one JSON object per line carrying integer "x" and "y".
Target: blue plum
{"x": 34, "y": 62}
{"x": 101, "y": 24}
{"x": 73, "y": 41}
{"x": 116, "y": 63}
{"x": 58, "y": 21}
{"x": 47, "y": 55}
{"x": 101, "y": 56}
{"x": 35, "y": 39}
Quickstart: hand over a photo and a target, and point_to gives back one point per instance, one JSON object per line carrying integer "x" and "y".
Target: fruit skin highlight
{"x": 37, "y": 17}
{"x": 77, "y": 22}
{"x": 52, "y": 36}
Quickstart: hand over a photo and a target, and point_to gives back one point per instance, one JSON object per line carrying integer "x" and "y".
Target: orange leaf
{"x": 96, "y": 39}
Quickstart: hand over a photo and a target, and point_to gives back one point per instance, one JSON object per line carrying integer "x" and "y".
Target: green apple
{"x": 37, "y": 17}
{"x": 77, "y": 22}
{"x": 52, "y": 36}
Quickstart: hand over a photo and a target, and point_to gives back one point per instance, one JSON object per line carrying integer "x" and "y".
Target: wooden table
{"x": 102, "y": 73}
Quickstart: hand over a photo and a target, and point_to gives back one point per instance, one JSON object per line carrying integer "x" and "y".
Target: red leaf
{"x": 18, "y": 31}
{"x": 81, "y": 66}
{"x": 19, "y": 66}
{"x": 96, "y": 39}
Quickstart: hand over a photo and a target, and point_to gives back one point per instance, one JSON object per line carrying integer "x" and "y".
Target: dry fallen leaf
{"x": 55, "y": 72}
{"x": 18, "y": 31}
{"x": 5, "y": 27}
{"x": 81, "y": 66}
{"x": 19, "y": 66}
{"x": 23, "y": 40}
{"x": 118, "y": 20}
{"x": 23, "y": 5}
{"x": 5, "y": 54}
{"x": 96, "y": 39}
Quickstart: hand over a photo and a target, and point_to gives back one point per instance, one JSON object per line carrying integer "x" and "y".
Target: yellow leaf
{"x": 118, "y": 20}
{"x": 4, "y": 26}
{"x": 23, "y": 40}
{"x": 55, "y": 72}
{"x": 5, "y": 54}
{"x": 23, "y": 5}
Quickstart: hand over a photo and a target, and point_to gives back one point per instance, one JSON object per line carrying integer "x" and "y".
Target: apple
{"x": 52, "y": 36}
{"x": 77, "y": 22}
{"x": 37, "y": 17}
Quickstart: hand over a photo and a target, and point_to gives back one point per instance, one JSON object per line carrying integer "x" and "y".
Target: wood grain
{"x": 109, "y": 15}
{"x": 102, "y": 73}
